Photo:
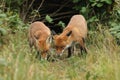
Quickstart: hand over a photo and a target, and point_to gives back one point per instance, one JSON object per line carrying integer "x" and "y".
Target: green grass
{"x": 101, "y": 63}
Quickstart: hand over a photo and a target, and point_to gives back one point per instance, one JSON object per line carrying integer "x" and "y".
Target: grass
{"x": 102, "y": 62}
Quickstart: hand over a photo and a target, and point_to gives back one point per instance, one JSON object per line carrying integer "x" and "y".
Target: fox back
{"x": 76, "y": 31}
{"x": 39, "y": 36}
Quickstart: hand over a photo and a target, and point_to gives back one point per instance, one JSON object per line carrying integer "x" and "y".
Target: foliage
{"x": 100, "y": 3}
{"x": 97, "y": 11}
{"x": 114, "y": 22}
{"x": 2, "y": 32}
{"x": 76, "y": 1}
{"x": 15, "y": 2}
{"x": 9, "y": 22}
{"x": 115, "y": 30}
{"x": 49, "y": 19}
{"x": 62, "y": 24}
{"x": 90, "y": 6}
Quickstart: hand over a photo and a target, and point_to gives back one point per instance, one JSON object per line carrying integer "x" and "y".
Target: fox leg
{"x": 82, "y": 46}
{"x": 31, "y": 45}
{"x": 69, "y": 52}
{"x": 85, "y": 49}
{"x": 38, "y": 55}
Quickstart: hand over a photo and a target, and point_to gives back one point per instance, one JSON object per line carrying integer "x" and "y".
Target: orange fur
{"x": 37, "y": 36}
{"x": 76, "y": 31}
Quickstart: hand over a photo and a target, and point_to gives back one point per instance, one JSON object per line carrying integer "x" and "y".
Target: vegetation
{"x": 102, "y": 61}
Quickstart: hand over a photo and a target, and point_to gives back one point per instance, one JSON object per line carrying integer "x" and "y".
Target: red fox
{"x": 39, "y": 37}
{"x": 76, "y": 31}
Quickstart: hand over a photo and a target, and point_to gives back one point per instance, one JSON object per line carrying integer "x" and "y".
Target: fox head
{"x": 62, "y": 42}
{"x": 43, "y": 45}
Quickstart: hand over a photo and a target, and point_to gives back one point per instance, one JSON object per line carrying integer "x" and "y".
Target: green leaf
{"x": 92, "y": 0}
{"x": 94, "y": 4}
{"x": 3, "y": 31}
{"x": 93, "y": 19}
{"x": 61, "y": 24}
{"x": 76, "y": 1}
{"x": 2, "y": 15}
{"x": 107, "y": 1}
{"x": 117, "y": 35}
{"x": 99, "y": 4}
{"x": 49, "y": 19}
{"x": 83, "y": 10}
{"x": 77, "y": 7}
{"x": 115, "y": 30}
{"x": 118, "y": 11}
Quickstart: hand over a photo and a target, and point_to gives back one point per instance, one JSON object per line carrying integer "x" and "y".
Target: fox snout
{"x": 44, "y": 55}
{"x": 59, "y": 53}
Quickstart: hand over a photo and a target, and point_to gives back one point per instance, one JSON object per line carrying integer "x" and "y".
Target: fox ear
{"x": 53, "y": 32}
{"x": 36, "y": 36}
{"x": 69, "y": 33}
{"x": 49, "y": 39}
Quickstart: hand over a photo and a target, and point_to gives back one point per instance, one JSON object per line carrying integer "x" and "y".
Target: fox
{"x": 39, "y": 37}
{"x": 74, "y": 32}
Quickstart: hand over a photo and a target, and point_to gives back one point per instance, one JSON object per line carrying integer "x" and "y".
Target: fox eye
{"x": 45, "y": 51}
{"x": 62, "y": 47}
{"x": 56, "y": 46}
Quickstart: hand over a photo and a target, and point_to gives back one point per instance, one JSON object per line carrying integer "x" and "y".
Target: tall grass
{"x": 101, "y": 63}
